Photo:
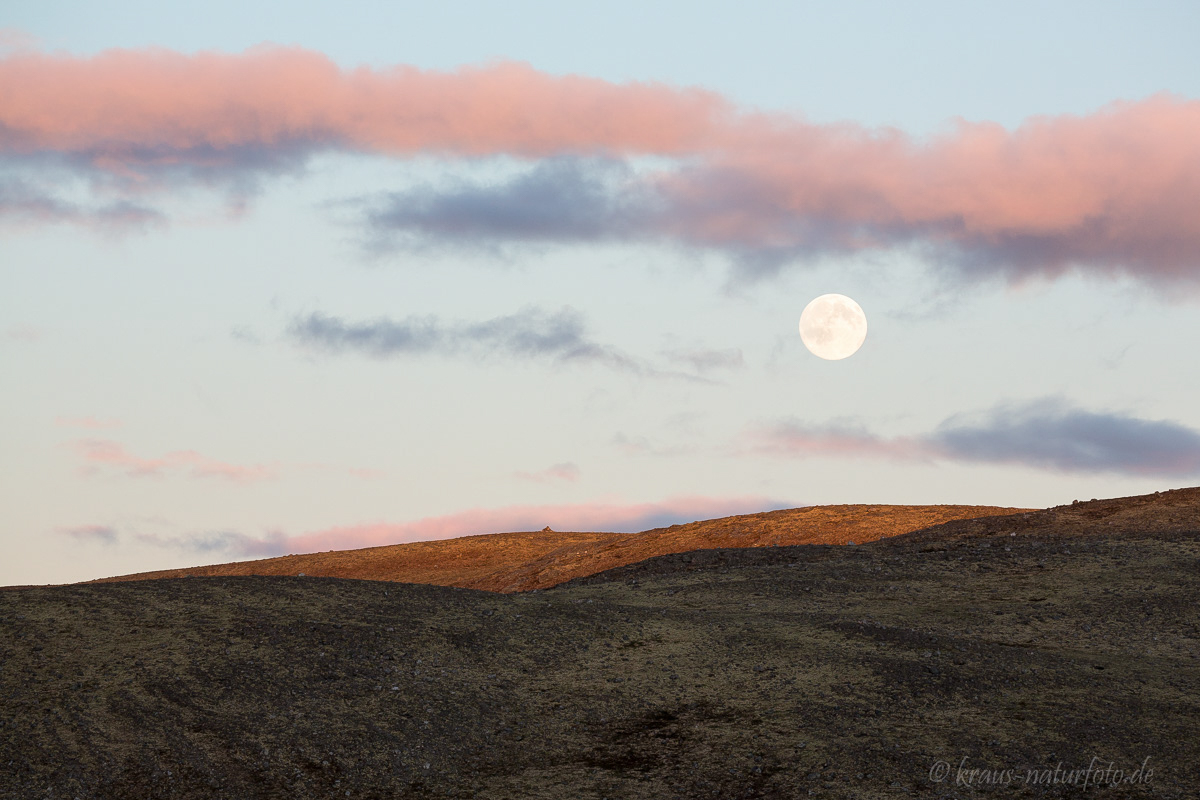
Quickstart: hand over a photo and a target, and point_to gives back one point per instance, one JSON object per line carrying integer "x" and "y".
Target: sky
{"x": 283, "y": 278}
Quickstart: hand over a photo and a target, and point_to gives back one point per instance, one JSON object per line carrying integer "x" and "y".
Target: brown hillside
{"x": 514, "y": 562}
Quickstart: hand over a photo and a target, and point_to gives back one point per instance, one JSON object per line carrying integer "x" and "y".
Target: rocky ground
{"x": 1019, "y": 644}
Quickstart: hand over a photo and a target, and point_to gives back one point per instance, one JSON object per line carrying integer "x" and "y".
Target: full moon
{"x": 833, "y": 327}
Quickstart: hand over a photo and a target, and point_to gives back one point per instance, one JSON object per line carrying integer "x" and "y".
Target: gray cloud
{"x": 1052, "y": 435}
{"x": 81, "y": 188}
{"x": 564, "y": 471}
{"x": 102, "y": 534}
{"x": 23, "y": 333}
{"x": 205, "y": 542}
{"x": 245, "y": 334}
{"x": 585, "y": 200}
{"x": 23, "y": 202}
{"x": 1044, "y": 434}
{"x": 532, "y": 333}
{"x": 575, "y": 200}
{"x": 703, "y": 359}
{"x": 236, "y": 174}
{"x": 558, "y": 200}
{"x": 643, "y": 446}
{"x": 208, "y": 542}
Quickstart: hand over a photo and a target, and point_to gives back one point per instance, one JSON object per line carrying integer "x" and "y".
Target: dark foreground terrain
{"x": 832, "y": 671}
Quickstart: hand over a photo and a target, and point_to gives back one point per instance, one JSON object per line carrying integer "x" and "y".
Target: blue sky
{"x": 317, "y": 342}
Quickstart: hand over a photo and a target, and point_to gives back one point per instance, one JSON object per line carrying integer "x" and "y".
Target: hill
{"x": 891, "y": 669}
{"x": 517, "y": 562}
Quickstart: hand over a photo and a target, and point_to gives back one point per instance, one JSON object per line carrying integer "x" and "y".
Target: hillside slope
{"x": 515, "y": 562}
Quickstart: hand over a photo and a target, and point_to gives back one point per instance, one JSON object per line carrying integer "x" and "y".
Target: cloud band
{"x": 1044, "y": 434}
{"x": 1111, "y": 192}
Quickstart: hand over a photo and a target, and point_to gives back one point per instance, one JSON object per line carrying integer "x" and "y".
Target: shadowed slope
{"x": 513, "y": 562}
{"x": 1174, "y": 511}
{"x": 1170, "y": 516}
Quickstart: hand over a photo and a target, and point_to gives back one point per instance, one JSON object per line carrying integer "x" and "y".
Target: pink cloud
{"x": 107, "y": 453}
{"x": 16, "y": 39}
{"x": 23, "y": 333}
{"x": 1115, "y": 189}
{"x": 794, "y": 439}
{"x": 366, "y": 473}
{"x": 89, "y": 422}
{"x": 121, "y": 108}
{"x": 557, "y": 472}
{"x": 611, "y": 517}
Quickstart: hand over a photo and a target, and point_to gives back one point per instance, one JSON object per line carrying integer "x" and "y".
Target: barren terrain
{"x": 1054, "y": 640}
